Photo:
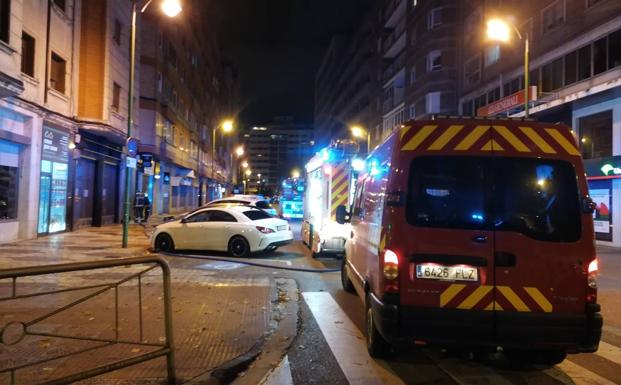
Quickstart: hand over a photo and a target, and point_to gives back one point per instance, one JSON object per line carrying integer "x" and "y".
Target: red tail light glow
{"x": 592, "y": 271}
{"x": 391, "y": 265}
{"x": 265, "y": 230}
{"x": 593, "y": 266}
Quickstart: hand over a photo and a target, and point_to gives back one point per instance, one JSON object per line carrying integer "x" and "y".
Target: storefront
{"x": 53, "y": 181}
{"x": 604, "y": 176}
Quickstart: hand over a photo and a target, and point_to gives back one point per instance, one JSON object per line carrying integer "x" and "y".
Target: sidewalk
{"x": 609, "y": 284}
{"x": 218, "y": 313}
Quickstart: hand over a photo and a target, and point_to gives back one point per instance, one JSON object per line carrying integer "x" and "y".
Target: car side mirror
{"x": 342, "y": 216}
{"x": 587, "y": 205}
{"x": 184, "y": 220}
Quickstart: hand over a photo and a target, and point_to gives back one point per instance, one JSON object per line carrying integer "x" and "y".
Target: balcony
{"x": 397, "y": 65}
{"x": 395, "y": 10}
{"x": 394, "y": 100}
{"x": 395, "y": 42}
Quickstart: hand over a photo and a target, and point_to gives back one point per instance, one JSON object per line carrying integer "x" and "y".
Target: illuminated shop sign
{"x": 603, "y": 168}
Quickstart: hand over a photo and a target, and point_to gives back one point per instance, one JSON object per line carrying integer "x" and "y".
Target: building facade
{"x": 575, "y": 73}
{"x": 274, "y": 151}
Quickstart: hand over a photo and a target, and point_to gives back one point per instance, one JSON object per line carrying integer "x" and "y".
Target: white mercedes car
{"x": 239, "y": 230}
{"x": 254, "y": 200}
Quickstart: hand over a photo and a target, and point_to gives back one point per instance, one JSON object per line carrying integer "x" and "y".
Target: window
{"x": 255, "y": 215}
{"x": 116, "y": 97}
{"x": 553, "y": 16}
{"x": 552, "y": 76}
{"x": 412, "y": 111}
{"x": 433, "y": 102}
{"x": 472, "y": 22}
{"x": 493, "y": 95}
{"x": 412, "y": 75}
{"x": 614, "y": 49}
{"x": 60, "y": 4}
{"x": 584, "y": 63}
{"x": 434, "y": 61}
{"x": 28, "y": 54}
{"x": 434, "y": 18}
{"x": 596, "y": 135}
{"x": 5, "y": 20}
{"x": 221, "y": 216}
{"x": 571, "y": 67}
{"x": 535, "y": 197}
{"x": 202, "y": 216}
{"x": 599, "y": 56}
{"x": 57, "y": 73}
{"x": 492, "y": 54}
{"x": 9, "y": 179}
{"x": 472, "y": 71}
{"x": 116, "y": 35}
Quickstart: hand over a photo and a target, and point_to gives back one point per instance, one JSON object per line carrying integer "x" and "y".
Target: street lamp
{"x": 170, "y": 8}
{"x": 359, "y": 132}
{"x": 295, "y": 173}
{"x": 245, "y": 164}
{"x": 227, "y": 126}
{"x": 500, "y": 30}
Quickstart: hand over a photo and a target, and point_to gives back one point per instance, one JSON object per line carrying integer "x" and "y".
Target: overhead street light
{"x": 500, "y": 30}
{"x": 239, "y": 151}
{"x": 170, "y": 8}
{"x": 227, "y": 126}
{"x": 295, "y": 173}
{"x": 361, "y": 133}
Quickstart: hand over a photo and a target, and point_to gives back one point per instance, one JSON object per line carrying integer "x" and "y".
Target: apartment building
{"x": 574, "y": 78}
{"x": 276, "y": 149}
{"x": 186, "y": 91}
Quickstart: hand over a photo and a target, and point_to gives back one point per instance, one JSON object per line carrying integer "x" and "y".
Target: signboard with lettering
{"x": 507, "y": 103}
{"x": 55, "y": 145}
{"x": 131, "y": 162}
{"x": 603, "y": 168}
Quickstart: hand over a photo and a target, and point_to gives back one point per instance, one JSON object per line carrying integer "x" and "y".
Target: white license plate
{"x": 447, "y": 273}
{"x": 281, "y": 228}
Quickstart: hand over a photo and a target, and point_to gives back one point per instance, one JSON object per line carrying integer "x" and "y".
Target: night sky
{"x": 277, "y": 46}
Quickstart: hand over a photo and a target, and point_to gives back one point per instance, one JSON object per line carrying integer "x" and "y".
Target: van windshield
{"x": 536, "y": 197}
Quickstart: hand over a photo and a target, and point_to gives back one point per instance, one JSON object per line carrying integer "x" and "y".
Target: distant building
{"x": 276, "y": 149}
{"x": 575, "y": 65}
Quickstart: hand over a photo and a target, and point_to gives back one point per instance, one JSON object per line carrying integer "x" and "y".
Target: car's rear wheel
{"x": 377, "y": 346}
{"x": 164, "y": 243}
{"x": 348, "y": 286}
{"x": 239, "y": 247}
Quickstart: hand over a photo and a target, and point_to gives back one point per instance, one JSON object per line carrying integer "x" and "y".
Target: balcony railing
{"x": 395, "y": 34}
{"x": 390, "y": 8}
{"x": 394, "y": 67}
{"x": 394, "y": 100}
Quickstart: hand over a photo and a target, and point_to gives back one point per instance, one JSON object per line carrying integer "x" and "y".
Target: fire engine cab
{"x": 329, "y": 183}
{"x": 477, "y": 233}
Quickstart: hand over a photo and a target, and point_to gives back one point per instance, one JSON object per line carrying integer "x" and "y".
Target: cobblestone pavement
{"x": 220, "y": 310}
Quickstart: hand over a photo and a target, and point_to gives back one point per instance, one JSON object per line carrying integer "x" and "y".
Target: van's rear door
{"x": 446, "y": 235}
{"x": 539, "y": 250}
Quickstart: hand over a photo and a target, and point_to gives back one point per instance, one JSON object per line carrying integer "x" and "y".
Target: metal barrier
{"x": 14, "y": 332}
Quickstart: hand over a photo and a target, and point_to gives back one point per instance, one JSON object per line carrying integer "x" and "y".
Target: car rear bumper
{"x": 572, "y": 333}
{"x": 279, "y": 238}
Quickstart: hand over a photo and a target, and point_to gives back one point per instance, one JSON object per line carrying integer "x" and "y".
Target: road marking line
{"x": 347, "y": 342}
{"x": 570, "y": 373}
{"x": 609, "y": 352}
{"x": 281, "y": 375}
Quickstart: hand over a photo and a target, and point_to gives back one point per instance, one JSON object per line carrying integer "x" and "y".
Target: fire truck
{"x": 330, "y": 177}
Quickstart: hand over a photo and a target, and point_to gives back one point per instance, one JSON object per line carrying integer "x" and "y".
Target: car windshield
{"x": 536, "y": 197}
{"x": 263, "y": 205}
{"x": 254, "y": 215}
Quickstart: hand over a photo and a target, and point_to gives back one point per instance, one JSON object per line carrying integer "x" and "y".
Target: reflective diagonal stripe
{"x": 562, "y": 140}
{"x": 513, "y": 298}
{"x": 418, "y": 138}
{"x": 493, "y": 306}
{"x": 538, "y": 140}
{"x": 492, "y": 145}
{"x": 471, "y": 138}
{"x": 338, "y": 180}
{"x": 511, "y": 138}
{"x": 339, "y": 190}
{"x": 475, "y": 297}
{"x": 541, "y": 300}
{"x": 450, "y": 293}
{"x": 404, "y": 131}
{"x": 446, "y": 136}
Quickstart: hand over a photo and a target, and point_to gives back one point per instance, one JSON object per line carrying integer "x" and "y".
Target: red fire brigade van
{"x": 476, "y": 233}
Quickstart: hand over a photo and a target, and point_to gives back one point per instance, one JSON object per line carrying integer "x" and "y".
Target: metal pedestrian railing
{"x": 16, "y": 332}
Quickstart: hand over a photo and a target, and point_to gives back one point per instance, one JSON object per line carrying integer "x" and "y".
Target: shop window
{"x": 57, "y": 73}
{"x": 492, "y": 54}
{"x": 5, "y": 20}
{"x": 599, "y": 56}
{"x": 552, "y": 76}
{"x": 571, "y": 67}
{"x": 28, "y": 54}
{"x": 596, "y": 135}
{"x": 9, "y": 179}
{"x": 434, "y": 61}
{"x": 614, "y": 49}
{"x": 116, "y": 35}
{"x": 553, "y": 16}
{"x": 116, "y": 97}
{"x": 584, "y": 63}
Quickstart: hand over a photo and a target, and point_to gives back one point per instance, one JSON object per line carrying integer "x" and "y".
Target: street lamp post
{"x": 359, "y": 132}
{"x": 171, "y": 8}
{"x": 239, "y": 152}
{"x": 500, "y": 30}
{"x": 227, "y": 126}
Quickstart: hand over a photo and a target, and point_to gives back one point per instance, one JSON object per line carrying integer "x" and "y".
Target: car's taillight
{"x": 592, "y": 271}
{"x": 265, "y": 230}
{"x": 391, "y": 270}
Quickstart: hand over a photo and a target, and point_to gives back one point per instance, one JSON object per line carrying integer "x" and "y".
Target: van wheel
{"x": 239, "y": 247}
{"x": 164, "y": 243}
{"x": 536, "y": 357}
{"x": 377, "y": 346}
{"x": 348, "y": 286}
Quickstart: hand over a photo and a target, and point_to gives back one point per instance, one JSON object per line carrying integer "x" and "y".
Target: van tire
{"x": 536, "y": 357}
{"x": 347, "y": 284}
{"x": 377, "y": 346}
